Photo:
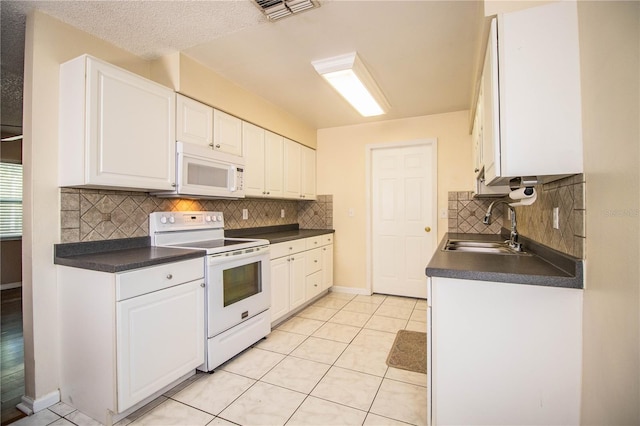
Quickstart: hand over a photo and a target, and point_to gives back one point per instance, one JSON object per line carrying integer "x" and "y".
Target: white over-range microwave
{"x": 205, "y": 173}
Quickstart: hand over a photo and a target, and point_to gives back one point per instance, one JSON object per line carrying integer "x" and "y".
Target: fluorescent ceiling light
{"x": 348, "y": 75}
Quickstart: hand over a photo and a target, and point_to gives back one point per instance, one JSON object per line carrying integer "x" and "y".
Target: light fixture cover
{"x": 348, "y": 75}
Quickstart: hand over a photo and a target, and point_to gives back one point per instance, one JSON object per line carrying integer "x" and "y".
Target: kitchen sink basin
{"x": 479, "y": 246}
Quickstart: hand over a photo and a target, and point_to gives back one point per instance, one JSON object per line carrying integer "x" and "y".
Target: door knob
{"x": 427, "y": 229}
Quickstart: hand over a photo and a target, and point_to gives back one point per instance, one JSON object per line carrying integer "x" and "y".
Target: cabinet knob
{"x": 218, "y": 146}
{"x": 476, "y": 170}
{"x": 211, "y": 145}
{"x": 427, "y": 229}
{"x": 268, "y": 192}
{"x": 202, "y": 285}
{"x": 315, "y": 261}
{"x": 293, "y": 258}
{"x": 169, "y": 276}
{"x": 173, "y": 185}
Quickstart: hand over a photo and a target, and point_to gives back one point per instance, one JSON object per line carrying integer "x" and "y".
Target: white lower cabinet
{"x": 300, "y": 271}
{"x": 126, "y": 336}
{"x": 504, "y": 354}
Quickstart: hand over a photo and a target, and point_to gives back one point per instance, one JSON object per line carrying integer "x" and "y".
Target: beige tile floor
{"x": 324, "y": 366}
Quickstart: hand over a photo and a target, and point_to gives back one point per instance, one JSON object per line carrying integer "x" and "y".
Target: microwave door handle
{"x": 234, "y": 178}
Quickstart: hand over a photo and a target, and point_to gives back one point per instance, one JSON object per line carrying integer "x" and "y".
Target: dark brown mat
{"x": 409, "y": 351}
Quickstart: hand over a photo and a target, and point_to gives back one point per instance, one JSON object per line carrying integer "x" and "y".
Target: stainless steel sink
{"x": 479, "y": 246}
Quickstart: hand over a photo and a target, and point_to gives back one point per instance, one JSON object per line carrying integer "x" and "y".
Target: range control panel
{"x": 182, "y": 221}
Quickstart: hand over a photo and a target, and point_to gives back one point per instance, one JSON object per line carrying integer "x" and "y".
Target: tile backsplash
{"x": 90, "y": 215}
{"x": 466, "y": 214}
{"x": 535, "y": 221}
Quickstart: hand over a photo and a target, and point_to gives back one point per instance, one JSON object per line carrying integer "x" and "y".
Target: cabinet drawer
{"x": 146, "y": 280}
{"x": 313, "y": 261}
{"x": 286, "y": 248}
{"x": 326, "y": 239}
{"x": 312, "y": 242}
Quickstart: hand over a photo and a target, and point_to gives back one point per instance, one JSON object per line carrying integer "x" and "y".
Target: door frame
{"x": 433, "y": 142}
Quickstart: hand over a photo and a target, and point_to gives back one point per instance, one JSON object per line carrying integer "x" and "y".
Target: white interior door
{"x": 403, "y": 217}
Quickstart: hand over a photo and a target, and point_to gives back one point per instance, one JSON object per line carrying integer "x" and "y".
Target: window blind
{"x": 10, "y": 200}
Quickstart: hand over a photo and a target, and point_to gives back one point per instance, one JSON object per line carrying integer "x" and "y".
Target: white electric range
{"x": 237, "y": 280}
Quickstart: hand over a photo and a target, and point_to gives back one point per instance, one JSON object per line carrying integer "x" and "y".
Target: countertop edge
{"x": 113, "y": 256}
{"x": 563, "y": 279}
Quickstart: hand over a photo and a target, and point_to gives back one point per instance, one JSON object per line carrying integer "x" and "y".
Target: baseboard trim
{"x": 9, "y": 286}
{"x": 30, "y": 406}
{"x": 349, "y": 290}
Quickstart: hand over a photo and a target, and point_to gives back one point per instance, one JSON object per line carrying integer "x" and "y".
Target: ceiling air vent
{"x": 277, "y": 9}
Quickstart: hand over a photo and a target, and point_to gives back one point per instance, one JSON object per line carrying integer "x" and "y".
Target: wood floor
{"x": 12, "y": 349}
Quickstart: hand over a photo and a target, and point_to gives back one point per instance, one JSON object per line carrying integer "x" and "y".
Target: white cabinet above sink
{"x": 530, "y": 110}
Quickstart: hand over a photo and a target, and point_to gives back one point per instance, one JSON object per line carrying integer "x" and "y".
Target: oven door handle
{"x": 231, "y": 257}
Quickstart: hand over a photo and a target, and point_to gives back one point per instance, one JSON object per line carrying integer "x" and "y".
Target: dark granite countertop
{"x": 545, "y": 267}
{"x": 119, "y": 255}
{"x": 277, "y": 234}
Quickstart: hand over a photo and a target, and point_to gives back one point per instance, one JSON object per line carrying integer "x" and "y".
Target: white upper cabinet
{"x": 292, "y": 169}
{"x": 227, "y": 133}
{"x": 299, "y": 171}
{"x": 116, "y": 128}
{"x": 273, "y": 165}
{"x": 308, "y": 173}
{"x": 532, "y": 123}
{"x": 201, "y": 124}
{"x": 263, "y": 162}
{"x": 194, "y": 121}
{"x": 254, "y": 160}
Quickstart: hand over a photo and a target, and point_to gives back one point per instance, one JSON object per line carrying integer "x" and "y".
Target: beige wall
{"x": 341, "y": 172}
{"x": 48, "y": 43}
{"x": 610, "y": 57}
{"x": 192, "y": 79}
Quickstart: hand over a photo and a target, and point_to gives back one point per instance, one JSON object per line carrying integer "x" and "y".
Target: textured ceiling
{"x": 423, "y": 53}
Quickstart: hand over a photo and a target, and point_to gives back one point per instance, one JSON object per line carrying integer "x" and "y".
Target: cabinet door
{"x": 129, "y": 119}
{"x": 227, "y": 133}
{"x": 308, "y": 173}
{"x": 297, "y": 281}
{"x": 160, "y": 337}
{"x": 273, "y": 165}
{"x": 279, "y": 288}
{"x": 327, "y": 266}
{"x": 541, "y": 110}
{"x": 292, "y": 168}
{"x": 253, "y": 141}
{"x": 194, "y": 121}
{"x": 490, "y": 110}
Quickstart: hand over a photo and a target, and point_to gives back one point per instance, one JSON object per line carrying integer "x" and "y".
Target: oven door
{"x": 238, "y": 287}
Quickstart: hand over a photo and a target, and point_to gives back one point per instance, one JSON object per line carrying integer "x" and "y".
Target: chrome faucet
{"x": 513, "y": 238}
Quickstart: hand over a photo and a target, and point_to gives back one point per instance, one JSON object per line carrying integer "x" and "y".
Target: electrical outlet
{"x": 245, "y": 214}
{"x": 352, "y": 212}
{"x": 556, "y": 218}
{"x": 443, "y": 213}
{"x": 282, "y": 213}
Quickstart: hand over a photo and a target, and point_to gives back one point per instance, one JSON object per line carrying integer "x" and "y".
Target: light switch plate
{"x": 282, "y": 213}
{"x": 556, "y": 218}
{"x": 245, "y": 214}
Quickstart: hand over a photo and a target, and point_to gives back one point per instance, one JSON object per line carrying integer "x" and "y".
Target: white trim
{"x": 30, "y": 406}
{"x": 434, "y": 228}
{"x": 9, "y": 286}
{"x": 349, "y": 290}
